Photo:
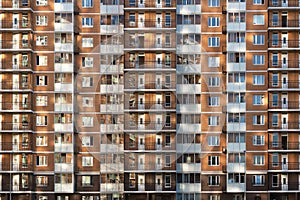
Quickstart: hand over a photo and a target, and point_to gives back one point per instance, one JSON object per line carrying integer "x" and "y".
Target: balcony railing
{"x": 284, "y": 84}
{"x": 284, "y": 105}
{"x": 134, "y": 84}
{"x": 14, "y": 4}
{"x": 149, "y": 186}
{"x": 149, "y": 4}
{"x": 8, "y": 24}
{"x": 150, "y": 65}
{"x": 284, "y": 126}
{"x": 284, "y": 43}
{"x": 7, "y": 85}
{"x": 152, "y": 146}
{"x": 17, "y": 106}
{"x": 9, "y": 126}
{"x": 15, "y": 44}
{"x": 285, "y": 24}
{"x": 151, "y": 24}
{"x": 284, "y": 146}
{"x": 279, "y": 3}
{"x": 149, "y": 166}
{"x": 6, "y": 65}
{"x": 286, "y": 64}
{"x": 284, "y": 165}
{"x": 148, "y": 125}
{"x": 151, "y": 105}
{"x": 15, "y": 146}
{"x": 148, "y": 45}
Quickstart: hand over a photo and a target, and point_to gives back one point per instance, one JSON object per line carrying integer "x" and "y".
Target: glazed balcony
{"x": 148, "y": 167}
{"x": 188, "y": 148}
{"x": 150, "y": 186}
{"x": 63, "y": 147}
{"x": 188, "y": 167}
{"x": 189, "y": 128}
{"x": 151, "y": 146}
{"x": 232, "y": 147}
{"x": 147, "y": 4}
{"x": 188, "y": 68}
{"x": 150, "y": 105}
{"x": 165, "y": 85}
{"x": 15, "y": 66}
{"x": 111, "y": 29}
{"x": 15, "y": 25}
{"x": 111, "y": 148}
{"x": 15, "y": 107}
{"x": 111, "y": 128}
{"x": 284, "y": 64}
{"x": 284, "y": 105}
{"x": 63, "y": 87}
{"x": 285, "y": 85}
{"x": 149, "y": 125}
{"x": 149, "y": 45}
{"x": 66, "y": 6}
{"x": 112, "y": 69}
{"x": 188, "y": 88}
{"x": 17, "y": 4}
{"x": 64, "y": 187}
{"x": 236, "y": 5}
{"x": 63, "y": 107}
{"x": 63, "y": 167}
{"x": 149, "y": 65}
{"x": 236, "y": 167}
{"x": 151, "y": 24}
{"x": 8, "y": 45}
{"x": 284, "y": 44}
{"x": 235, "y": 187}
{"x": 63, "y": 26}
{"x": 112, "y": 167}
{"x": 284, "y": 166}
{"x": 186, "y": 9}
{"x": 284, "y": 24}
{"x": 278, "y": 146}
{"x": 111, "y": 107}
{"x": 112, "y": 187}
{"x": 283, "y": 4}
{"x": 189, "y": 187}
{"x": 15, "y": 146}
{"x": 61, "y": 127}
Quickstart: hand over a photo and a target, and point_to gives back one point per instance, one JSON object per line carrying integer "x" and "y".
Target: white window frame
{"x": 86, "y": 181}
{"x": 213, "y": 3}
{"x": 213, "y": 21}
{"x": 213, "y": 120}
{"x": 41, "y": 141}
{"x": 87, "y": 161}
{"x": 87, "y": 81}
{"x": 87, "y": 22}
{"x": 258, "y": 140}
{"x": 41, "y": 2}
{"x": 42, "y": 40}
{"x": 213, "y": 160}
{"x": 258, "y": 2}
{"x": 258, "y": 99}
{"x": 41, "y": 20}
{"x": 259, "y": 160}
{"x": 258, "y": 59}
{"x": 213, "y": 140}
{"x": 41, "y": 120}
{"x": 87, "y": 3}
{"x": 42, "y": 60}
{"x": 213, "y": 101}
{"x": 87, "y": 102}
{"x": 258, "y": 180}
{"x": 87, "y": 141}
{"x": 213, "y": 180}
{"x": 213, "y": 61}
{"x": 41, "y": 161}
{"x": 213, "y": 41}
{"x": 41, "y": 81}
{"x": 168, "y": 184}
{"x": 258, "y": 79}
{"x": 275, "y": 120}
{"x": 87, "y": 62}
{"x": 41, "y": 101}
{"x": 258, "y": 19}
{"x": 41, "y": 181}
{"x": 214, "y": 81}
{"x": 87, "y": 42}
{"x": 87, "y": 121}
{"x": 261, "y": 119}
{"x": 258, "y": 39}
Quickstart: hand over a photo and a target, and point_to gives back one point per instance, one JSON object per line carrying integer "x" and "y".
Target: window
{"x": 168, "y": 140}
{"x": 274, "y": 99}
{"x": 258, "y": 59}
{"x": 258, "y": 120}
{"x": 275, "y": 79}
{"x": 275, "y": 59}
{"x": 214, "y": 81}
{"x": 275, "y": 181}
{"x": 41, "y": 181}
{"x": 275, "y": 39}
{"x": 258, "y": 99}
{"x": 236, "y": 178}
{"x": 258, "y": 160}
{"x": 258, "y": 19}
{"x": 213, "y": 61}
{"x": 258, "y": 2}
{"x": 87, "y": 141}
{"x": 258, "y": 140}
{"x": 87, "y": 101}
{"x": 214, "y": 197}
{"x": 41, "y": 160}
{"x": 213, "y": 100}
{"x": 87, "y": 61}
{"x": 213, "y": 41}
{"x": 236, "y": 57}
{"x": 213, "y": 21}
{"x": 87, "y": 22}
{"x": 236, "y": 117}
{"x": 213, "y": 3}
{"x": 87, "y": 81}
{"x": 275, "y": 19}
{"x": 236, "y": 137}
{"x": 258, "y": 180}
{"x": 87, "y": 42}
{"x": 87, "y": 121}
{"x": 41, "y": 60}
{"x": 213, "y": 120}
{"x": 213, "y": 160}
{"x": 41, "y": 120}
{"x": 41, "y": 101}
{"x": 86, "y": 181}
{"x": 41, "y": 141}
{"x": 213, "y": 180}
{"x": 167, "y": 160}
{"x": 41, "y": 80}
{"x": 236, "y": 158}
{"x": 236, "y": 77}
{"x": 258, "y": 79}
{"x": 167, "y": 180}
{"x": 87, "y": 161}
{"x": 258, "y": 39}
{"x": 236, "y": 17}
{"x": 41, "y": 40}
{"x": 41, "y": 20}
{"x": 168, "y": 2}
{"x": 275, "y": 119}
{"x": 87, "y": 3}
{"x": 275, "y": 160}
{"x": 168, "y": 19}
{"x": 41, "y": 2}
{"x": 213, "y": 140}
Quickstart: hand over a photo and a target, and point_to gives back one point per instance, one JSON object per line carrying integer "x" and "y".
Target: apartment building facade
{"x": 162, "y": 99}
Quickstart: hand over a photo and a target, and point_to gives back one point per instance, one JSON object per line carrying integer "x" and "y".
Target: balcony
{"x": 15, "y": 25}
{"x": 63, "y": 87}
{"x": 15, "y": 107}
{"x": 111, "y": 88}
{"x": 283, "y": 4}
{"x": 111, "y": 69}
{"x": 188, "y": 28}
{"x": 111, "y": 107}
{"x": 13, "y": 45}
{"x": 63, "y": 26}
{"x": 236, "y": 46}
{"x": 181, "y": 49}
{"x": 111, "y": 148}
{"x": 15, "y": 66}
{"x": 284, "y": 64}
{"x": 188, "y": 167}
{"x": 236, "y": 6}
{"x": 134, "y": 84}
{"x": 111, "y": 48}
{"x": 283, "y": 24}
{"x": 188, "y": 148}
{"x": 150, "y": 105}
{"x": 63, "y": 47}
{"x": 14, "y": 4}
{"x": 15, "y": 86}
{"x": 149, "y": 45}
{"x": 278, "y": 146}
{"x": 112, "y": 9}
{"x": 236, "y": 147}
{"x": 148, "y": 65}
{"x": 111, "y": 167}
{"x": 63, "y": 167}
{"x": 63, "y": 7}
{"x": 112, "y": 187}
{"x": 231, "y": 67}
{"x": 236, "y": 86}
{"x": 189, "y": 187}
{"x": 233, "y": 127}
{"x": 60, "y": 147}
{"x": 284, "y": 85}
{"x": 186, "y": 9}
{"x": 148, "y": 167}
{"x": 152, "y": 147}
{"x": 188, "y": 88}
{"x": 284, "y": 44}
{"x": 60, "y": 127}
{"x": 235, "y": 187}
{"x": 148, "y": 4}
{"x": 150, "y": 186}
{"x": 284, "y": 166}
{"x": 235, "y": 107}
{"x": 188, "y": 68}
{"x": 109, "y": 128}
{"x": 236, "y": 26}
{"x": 188, "y": 108}
{"x": 236, "y": 167}
{"x": 63, "y": 107}
{"x": 284, "y": 105}
{"x": 188, "y": 128}
{"x": 111, "y": 29}
{"x": 151, "y": 24}
{"x": 64, "y": 187}
{"x": 15, "y": 146}
{"x": 148, "y": 125}
{"x": 8, "y": 126}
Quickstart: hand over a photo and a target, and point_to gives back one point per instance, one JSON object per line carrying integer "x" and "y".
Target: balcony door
{"x": 284, "y": 100}
{"x": 15, "y": 20}
{"x": 158, "y": 21}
